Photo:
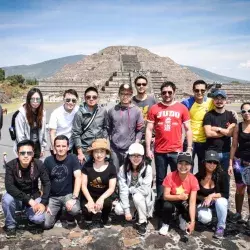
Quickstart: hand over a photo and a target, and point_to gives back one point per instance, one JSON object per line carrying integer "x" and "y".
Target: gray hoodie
{"x": 22, "y": 128}
{"x": 97, "y": 129}
{"x": 125, "y": 125}
{"x": 143, "y": 186}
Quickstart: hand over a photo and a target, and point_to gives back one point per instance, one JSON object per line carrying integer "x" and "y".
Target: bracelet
{"x": 190, "y": 147}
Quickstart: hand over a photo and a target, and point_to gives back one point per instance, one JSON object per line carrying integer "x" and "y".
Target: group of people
{"x": 96, "y": 153}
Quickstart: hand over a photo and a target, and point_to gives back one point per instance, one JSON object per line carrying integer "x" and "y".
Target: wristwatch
{"x": 74, "y": 197}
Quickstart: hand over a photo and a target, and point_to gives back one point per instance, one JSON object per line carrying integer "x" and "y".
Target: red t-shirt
{"x": 173, "y": 181}
{"x": 168, "y": 122}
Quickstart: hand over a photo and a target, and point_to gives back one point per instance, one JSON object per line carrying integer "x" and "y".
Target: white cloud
{"x": 245, "y": 65}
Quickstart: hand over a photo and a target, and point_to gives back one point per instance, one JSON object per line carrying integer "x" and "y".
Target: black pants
{"x": 37, "y": 150}
{"x": 171, "y": 207}
{"x": 107, "y": 206}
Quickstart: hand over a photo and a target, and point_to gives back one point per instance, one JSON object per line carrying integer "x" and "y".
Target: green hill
{"x": 43, "y": 69}
{"x": 207, "y": 75}
{"x": 50, "y": 67}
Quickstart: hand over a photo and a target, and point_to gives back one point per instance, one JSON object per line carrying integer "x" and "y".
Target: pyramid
{"x": 114, "y": 65}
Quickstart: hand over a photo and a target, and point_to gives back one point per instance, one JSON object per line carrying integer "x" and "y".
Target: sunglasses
{"x": 185, "y": 153}
{"x": 141, "y": 84}
{"x": 23, "y": 153}
{"x": 167, "y": 92}
{"x": 212, "y": 162}
{"x": 127, "y": 95}
{"x": 70, "y": 100}
{"x": 89, "y": 97}
{"x": 243, "y": 111}
{"x": 35, "y": 99}
{"x": 200, "y": 91}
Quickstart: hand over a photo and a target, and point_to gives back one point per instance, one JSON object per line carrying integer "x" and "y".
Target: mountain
{"x": 49, "y": 68}
{"x": 209, "y": 76}
{"x": 43, "y": 69}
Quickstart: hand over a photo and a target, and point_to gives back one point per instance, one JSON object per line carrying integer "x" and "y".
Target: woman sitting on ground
{"x": 213, "y": 193}
{"x": 98, "y": 183}
{"x": 135, "y": 179}
{"x": 180, "y": 191}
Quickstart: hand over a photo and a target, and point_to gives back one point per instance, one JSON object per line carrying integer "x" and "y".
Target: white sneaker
{"x": 183, "y": 223}
{"x": 164, "y": 229}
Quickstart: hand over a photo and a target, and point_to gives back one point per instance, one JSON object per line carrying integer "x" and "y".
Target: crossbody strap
{"x": 90, "y": 121}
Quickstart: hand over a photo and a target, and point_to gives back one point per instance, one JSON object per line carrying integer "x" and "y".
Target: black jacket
{"x": 22, "y": 185}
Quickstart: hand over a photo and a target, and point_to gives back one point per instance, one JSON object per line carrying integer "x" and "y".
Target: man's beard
{"x": 221, "y": 107}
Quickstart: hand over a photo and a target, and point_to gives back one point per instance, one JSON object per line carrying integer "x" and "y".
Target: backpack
{"x": 12, "y": 129}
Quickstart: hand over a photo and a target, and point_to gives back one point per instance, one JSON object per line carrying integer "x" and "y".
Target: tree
{"x": 16, "y": 79}
{"x": 32, "y": 81}
{"x": 2, "y": 74}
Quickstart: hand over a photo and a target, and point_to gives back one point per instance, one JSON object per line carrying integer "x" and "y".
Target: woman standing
{"x": 213, "y": 193}
{"x": 30, "y": 123}
{"x": 98, "y": 183}
{"x": 135, "y": 180}
{"x": 240, "y": 161}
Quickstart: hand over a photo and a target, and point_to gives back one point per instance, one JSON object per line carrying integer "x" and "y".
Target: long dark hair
{"x": 127, "y": 166}
{"x": 30, "y": 113}
{"x": 215, "y": 175}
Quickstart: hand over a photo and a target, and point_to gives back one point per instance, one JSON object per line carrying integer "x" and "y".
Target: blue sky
{"x": 210, "y": 34}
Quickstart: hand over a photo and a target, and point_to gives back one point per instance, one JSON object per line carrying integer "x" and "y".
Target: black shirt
{"x": 222, "y": 186}
{"x": 223, "y": 120}
{"x": 98, "y": 182}
{"x": 61, "y": 174}
{"x": 243, "y": 150}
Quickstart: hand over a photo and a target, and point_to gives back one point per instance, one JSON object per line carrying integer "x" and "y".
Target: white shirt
{"x": 61, "y": 121}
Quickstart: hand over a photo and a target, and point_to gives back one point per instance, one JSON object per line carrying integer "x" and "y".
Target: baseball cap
{"x": 126, "y": 86}
{"x": 136, "y": 148}
{"x": 185, "y": 157}
{"x": 212, "y": 155}
{"x": 220, "y": 92}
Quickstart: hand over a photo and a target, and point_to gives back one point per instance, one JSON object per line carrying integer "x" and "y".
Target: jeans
{"x": 117, "y": 158}
{"x": 205, "y": 213}
{"x": 199, "y": 149}
{"x": 224, "y": 160}
{"x": 161, "y": 166}
{"x": 10, "y": 205}
{"x": 55, "y": 205}
{"x": 137, "y": 202}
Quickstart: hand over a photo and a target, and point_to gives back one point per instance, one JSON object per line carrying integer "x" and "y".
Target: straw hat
{"x": 99, "y": 144}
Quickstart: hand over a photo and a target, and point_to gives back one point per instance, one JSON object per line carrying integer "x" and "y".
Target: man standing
{"x": 61, "y": 119}
{"x": 198, "y": 105}
{"x": 90, "y": 123}
{"x": 21, "y": 183}
{"x": 142, "y": 99}
{"x": 219, "y": 125}
{"x": 125, "y": 125}
{"x": 65, "y": 175}
{"x": 166, "y": 118}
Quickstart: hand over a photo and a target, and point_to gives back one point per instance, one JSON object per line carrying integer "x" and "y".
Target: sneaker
{"x": 70, "y": 224}
{"x": 107, "y": 223}
{"x": 219, "y": 233}
{"x": 183, "y": 223}
{"x": 235, "y": 218}
{"x": 141, "y": 228}
{"x": 10, "y": 233}
{"x": 164, "y": 229}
